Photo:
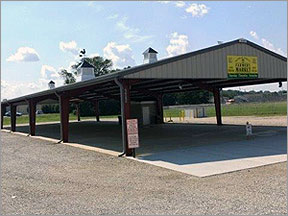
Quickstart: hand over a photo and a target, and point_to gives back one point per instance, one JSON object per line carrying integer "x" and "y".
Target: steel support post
{"x": 96, "y": 109}
{"x": 32, "y": 117}
{"x": 13, "y": 117}
{"x": 64, "y": 117}
{"x": 127, "y": 112}
{"x": 78, "y": 111}
{"x": 160, "y": 117}
{"x": 217, "y": 102}
{"x": 3, "y": 110}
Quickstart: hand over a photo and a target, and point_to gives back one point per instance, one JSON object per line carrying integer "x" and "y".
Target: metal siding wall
{"x": 213, "y": 64}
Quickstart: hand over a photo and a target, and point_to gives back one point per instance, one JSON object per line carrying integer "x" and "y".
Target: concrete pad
{"x": 196, "y": 149}
{"x": 208, "y": 160}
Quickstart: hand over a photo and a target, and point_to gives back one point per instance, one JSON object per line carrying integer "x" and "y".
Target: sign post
{"x": 132, "y": 134}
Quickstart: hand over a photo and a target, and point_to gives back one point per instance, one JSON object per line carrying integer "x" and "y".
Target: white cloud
{"x": 254, "y": 35}
{"x": 164, "y": 2}
{"x": 178, "y": 44}
{"x": 14, "y": 89}
{"x": 131, "y": 34}
{"x": 69, "y": 47}
{"x": 197, "y": 10}
{"x": 268, "y": 45}
{"x": 93, "y": 55}
{"x": 11, "y": 90}
{"x": 95, "y": 5}
{"x": 121, "y": 55}
{"x": 114, "y": 16}
{"x": 180, "y": 4}
{"x": 48, "y": 72}
{"x": 24, "y": 54}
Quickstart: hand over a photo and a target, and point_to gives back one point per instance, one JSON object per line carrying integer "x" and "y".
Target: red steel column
{"x": 3, "y": 110}
{"x": 160, "y": 117}
{"x": 127, "y": 111}
{"x": 13, "y": 117}
{"x": 64, "y": 117}
{"x": 78, "y": 111}
{"x": 32, "y": 117}
{"x": 216, "y": 93}
{"x": 96, "y": 109}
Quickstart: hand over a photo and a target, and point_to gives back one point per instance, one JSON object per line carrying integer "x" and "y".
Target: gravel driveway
{"x": 40, "y": 177}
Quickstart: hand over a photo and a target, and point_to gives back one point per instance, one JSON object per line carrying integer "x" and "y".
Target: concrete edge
{"x": 205, "y": 176}
{"x": 76, "y": 145}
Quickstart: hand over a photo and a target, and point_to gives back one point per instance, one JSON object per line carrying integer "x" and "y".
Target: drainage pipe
{"x": 122, "y": 116}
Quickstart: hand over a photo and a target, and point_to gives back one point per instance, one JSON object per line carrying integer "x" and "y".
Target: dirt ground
{"x": 42, "y": 177}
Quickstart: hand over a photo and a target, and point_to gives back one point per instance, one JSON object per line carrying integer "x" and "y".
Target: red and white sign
{"x": 132, "y": 133}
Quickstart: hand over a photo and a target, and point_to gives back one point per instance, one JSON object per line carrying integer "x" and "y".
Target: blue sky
{"x": 40, "y": 38}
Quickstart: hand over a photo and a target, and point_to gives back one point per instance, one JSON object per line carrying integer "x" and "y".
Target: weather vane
{"x": 82, "y": 53}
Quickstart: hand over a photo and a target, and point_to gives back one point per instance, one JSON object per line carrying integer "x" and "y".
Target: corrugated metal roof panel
{"x": 213, "y": 64}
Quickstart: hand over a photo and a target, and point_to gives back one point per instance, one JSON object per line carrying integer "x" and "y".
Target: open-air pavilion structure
{"x": 236, "y": 63}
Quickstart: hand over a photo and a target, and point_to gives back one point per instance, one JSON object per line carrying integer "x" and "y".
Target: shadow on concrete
{"x": 176, "y": 143}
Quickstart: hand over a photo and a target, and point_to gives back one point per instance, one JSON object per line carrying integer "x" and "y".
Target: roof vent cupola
{"x": 85, "y": 71}
{"x": 150, "y": 56}
{"x": 51, "y": 84}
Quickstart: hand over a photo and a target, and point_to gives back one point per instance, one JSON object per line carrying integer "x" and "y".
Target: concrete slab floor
{"x": 197, "y": 149}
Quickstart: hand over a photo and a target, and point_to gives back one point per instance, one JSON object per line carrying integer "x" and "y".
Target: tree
{"x": 101, "y": 67}
{"x": 67, "y": 76}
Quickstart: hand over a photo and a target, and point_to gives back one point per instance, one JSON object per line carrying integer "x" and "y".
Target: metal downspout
{"x": 122, "y": 116}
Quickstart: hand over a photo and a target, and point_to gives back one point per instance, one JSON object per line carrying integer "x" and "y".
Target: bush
{"x": 51, "y": 108}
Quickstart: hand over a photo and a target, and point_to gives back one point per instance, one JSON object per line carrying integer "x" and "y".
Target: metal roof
{"x": 150, "y": 50}
{"x": 104, "y": 85}
{"x": 85, "y": 64}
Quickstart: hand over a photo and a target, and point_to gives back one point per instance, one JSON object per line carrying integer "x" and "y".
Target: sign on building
{"x": 242, "y": 66}
{"x": 132, "y": 133}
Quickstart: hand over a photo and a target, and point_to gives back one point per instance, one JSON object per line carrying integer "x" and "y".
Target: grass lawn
{"x": 48, "y": 118}
{"x": 245, "y": 109}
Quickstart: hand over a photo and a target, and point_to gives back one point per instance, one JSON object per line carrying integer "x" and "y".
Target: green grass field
{"x": 248, "y": 109}
{"x": 48, "y": 118}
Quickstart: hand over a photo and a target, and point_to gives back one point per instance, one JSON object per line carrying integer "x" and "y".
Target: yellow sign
{"x": 242, "y": 66}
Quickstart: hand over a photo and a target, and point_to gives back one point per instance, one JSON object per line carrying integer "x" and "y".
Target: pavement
{"x": 208, "y": 160}
{"x": 46, "y": 178}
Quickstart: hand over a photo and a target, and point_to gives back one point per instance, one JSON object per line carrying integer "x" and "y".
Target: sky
{"x": 38, "y": 39}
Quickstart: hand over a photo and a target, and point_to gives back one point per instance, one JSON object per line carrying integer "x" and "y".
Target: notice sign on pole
{"x": 132, "y": 133}
{"x": 242, "y": 66}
